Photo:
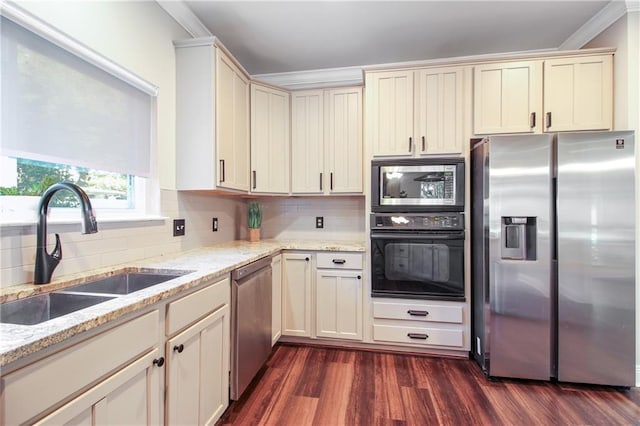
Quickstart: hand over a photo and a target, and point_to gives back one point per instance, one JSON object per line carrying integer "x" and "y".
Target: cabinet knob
{"x": 159, "y": 361}
{"x": 359, "y": 277}
{"x": 306, "y": 259}
{"x": 178, "y": 348}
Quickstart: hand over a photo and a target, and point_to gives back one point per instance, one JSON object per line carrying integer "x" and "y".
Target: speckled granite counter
{"x": 200, "y": 266}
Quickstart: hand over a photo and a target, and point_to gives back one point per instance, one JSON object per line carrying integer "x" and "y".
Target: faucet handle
{"x": 57, "y": 250}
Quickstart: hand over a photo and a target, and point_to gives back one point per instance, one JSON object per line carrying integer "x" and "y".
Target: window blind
{"x": 59, "y": 108}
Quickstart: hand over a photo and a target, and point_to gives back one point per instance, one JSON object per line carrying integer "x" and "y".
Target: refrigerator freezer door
{"x": 520, "y": 185}
{"x": 596, "y": 258}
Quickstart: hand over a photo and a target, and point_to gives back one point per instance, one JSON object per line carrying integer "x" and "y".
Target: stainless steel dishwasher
{"x": 250, "y": 323}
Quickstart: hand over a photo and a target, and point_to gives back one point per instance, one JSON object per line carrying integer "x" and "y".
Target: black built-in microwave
{"x": 417, "y": 185}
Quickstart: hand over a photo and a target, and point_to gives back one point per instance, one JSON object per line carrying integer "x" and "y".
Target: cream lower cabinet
{"x": 198, "y": 371}
{"x": 122, "y": 395}
{"x": 435, "y": 324}
{"x": 276, "y": 298}
{"x": 338, "y": 296}
{"x": 296, "y": 294}
{"x": 132, "y": 396}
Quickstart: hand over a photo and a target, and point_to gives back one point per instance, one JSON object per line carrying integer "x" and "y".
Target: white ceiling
{"x": 283, "y": 36}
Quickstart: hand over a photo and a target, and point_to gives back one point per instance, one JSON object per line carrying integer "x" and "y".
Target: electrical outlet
{"x": 178, "y": 227}
{"x": 214, "y": 224}
{"x": 319, "y": 221}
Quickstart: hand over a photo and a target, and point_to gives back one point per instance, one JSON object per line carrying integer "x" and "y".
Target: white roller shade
{"x": 59, "y": 108}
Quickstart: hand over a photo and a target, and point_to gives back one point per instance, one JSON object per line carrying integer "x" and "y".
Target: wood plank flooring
{"x": 303, "y": 385}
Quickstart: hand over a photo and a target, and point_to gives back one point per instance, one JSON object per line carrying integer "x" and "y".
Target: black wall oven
{"x": 418, "y": 255}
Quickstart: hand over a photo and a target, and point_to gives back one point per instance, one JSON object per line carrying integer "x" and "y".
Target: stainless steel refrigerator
{"x": 553, "y": 257}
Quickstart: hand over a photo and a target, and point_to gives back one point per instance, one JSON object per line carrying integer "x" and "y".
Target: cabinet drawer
{"x": 33, "y": 389}
{"x": 421, "y": 335}
{"x": 339, "y": 260}
{"x": 418, "y": 312}
{"x": 190, "y": 308}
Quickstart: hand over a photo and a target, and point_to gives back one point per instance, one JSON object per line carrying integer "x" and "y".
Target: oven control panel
{"x": 418, "y": 221}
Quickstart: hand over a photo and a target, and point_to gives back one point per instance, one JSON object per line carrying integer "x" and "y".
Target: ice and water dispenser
{"x": 518, "y": 241}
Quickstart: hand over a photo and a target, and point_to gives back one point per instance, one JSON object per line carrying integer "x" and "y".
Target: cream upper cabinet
{"x": 344, "y": 140}
{"x": 413, "y": 113}
{"x": 269, "y": 139}
{"x": 439, "y": 110}
{"x": 326, "y": 124}
{"x": 507, "y": 97}
{"x": 232, "y": 137}
{"x": 212, "y": 118}
{"x": 390, "y": 114}
{"x": 307, "y": 142}
{"x": 578, "y": 93}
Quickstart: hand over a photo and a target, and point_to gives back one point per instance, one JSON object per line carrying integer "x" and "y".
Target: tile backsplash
{"x": 117, "y": 243}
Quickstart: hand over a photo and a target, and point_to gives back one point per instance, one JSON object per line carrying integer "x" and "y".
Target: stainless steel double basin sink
{"x": 43, "y": 307}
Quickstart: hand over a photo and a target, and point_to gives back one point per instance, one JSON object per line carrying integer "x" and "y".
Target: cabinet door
{"x": 307, "y": 142}
{"x": 269, "y": 140}
{"x": 507, "y": 97}
{"x": 232, "y": 124}
{"x": 339, "y": 304}
{"x": 130, "y": 397}
{"x": 197, "y": 375}
{"x": 439, "y": 111}
{"x": 344, "y": 140}
{"x": 578, "y": 93}
{"x": 389, "y": 97}
{"x": 276, "y": 298}
{"x": 296, "y": 297}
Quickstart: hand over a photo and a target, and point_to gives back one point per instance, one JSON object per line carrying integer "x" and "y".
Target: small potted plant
{"x": 255, "y": 220}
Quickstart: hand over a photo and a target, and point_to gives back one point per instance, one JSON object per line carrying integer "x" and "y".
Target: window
{"x": 69, "y": 114}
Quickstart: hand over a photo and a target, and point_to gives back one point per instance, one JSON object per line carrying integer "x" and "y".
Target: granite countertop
{"x": 199, "y": 266}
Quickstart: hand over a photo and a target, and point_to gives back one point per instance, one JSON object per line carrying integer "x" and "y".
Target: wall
{"x": 624, "y": 34}
{"x": 120, "y": 243}
{"x": 138, "y": 36}
{"x": 295, "y": 218}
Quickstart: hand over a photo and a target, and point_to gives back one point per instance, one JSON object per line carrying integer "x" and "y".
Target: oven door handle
{"x": 393, "y": 236}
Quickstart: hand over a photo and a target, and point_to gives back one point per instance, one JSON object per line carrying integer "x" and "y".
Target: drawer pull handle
{"x": 158, "y": 361}
{"x": 339, "y": 261}
{"x": 417, "y": 336}
{"x": 178, "y": 348}
{"x": 417, "y": 313}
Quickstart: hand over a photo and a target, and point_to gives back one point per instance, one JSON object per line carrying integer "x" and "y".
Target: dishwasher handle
{"x": 245, "y": 271}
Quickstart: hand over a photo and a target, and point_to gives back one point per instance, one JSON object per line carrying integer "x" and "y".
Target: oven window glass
{"x": 417, "y": 185}
{"x": 426, "y": 269}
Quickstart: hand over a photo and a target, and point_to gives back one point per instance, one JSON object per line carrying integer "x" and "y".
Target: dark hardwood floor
{"x": 323, "y": 386}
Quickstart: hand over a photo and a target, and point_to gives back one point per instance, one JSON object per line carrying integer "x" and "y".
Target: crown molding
{"x": 314, "y": 79}
{"x": 181, "y": 13}
{"x": 598, "y": 23}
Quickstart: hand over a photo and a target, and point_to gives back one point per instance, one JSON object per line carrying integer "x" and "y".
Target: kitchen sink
{"x": 43, "y": 307}
{"x": 124, "y": 283}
